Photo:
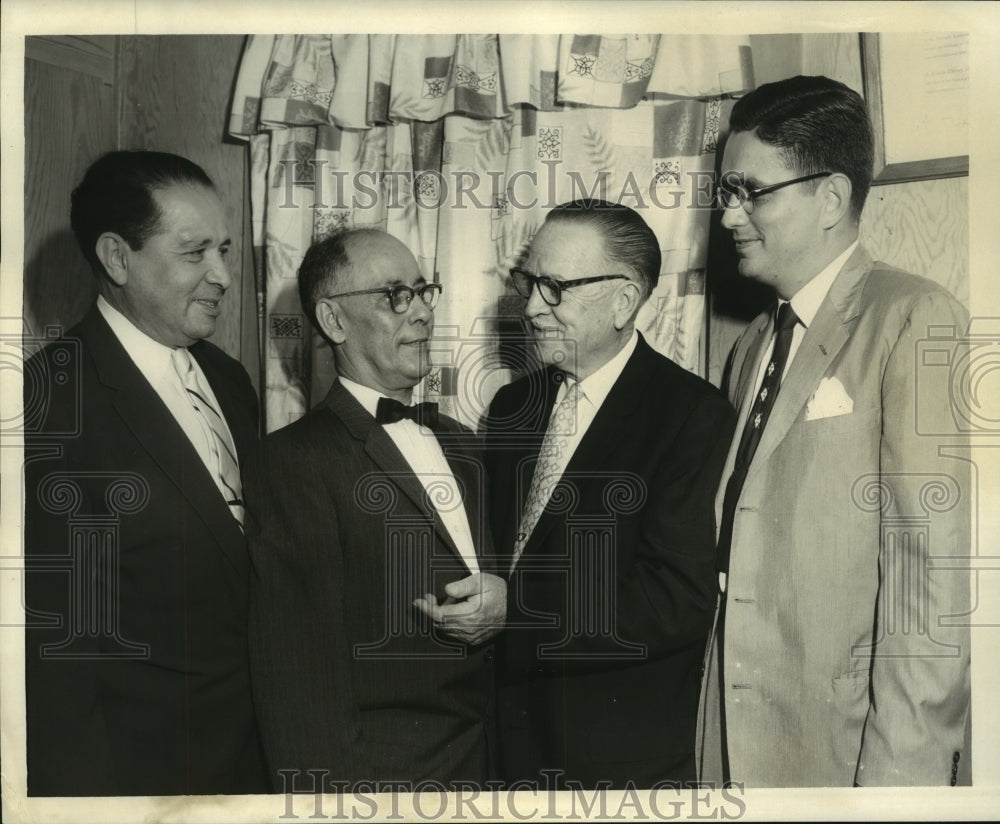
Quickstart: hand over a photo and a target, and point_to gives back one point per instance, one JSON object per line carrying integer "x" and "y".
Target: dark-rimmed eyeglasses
{"x": 725, "y": 192}
{"x": 400, "y": 296}
{"x": 550, "y": 289}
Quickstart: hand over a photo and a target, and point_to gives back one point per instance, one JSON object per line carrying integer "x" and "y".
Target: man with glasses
{"x": 839, "y": 655}
{"x": 603, "y": 468}
{"x": 372, "y": 597}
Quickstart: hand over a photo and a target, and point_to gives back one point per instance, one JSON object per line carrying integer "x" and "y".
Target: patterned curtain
{"x": 458, "y": 145}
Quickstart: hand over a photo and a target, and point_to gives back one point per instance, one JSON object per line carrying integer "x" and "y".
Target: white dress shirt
{"x": 424, "y": 456}
{"x": 805, "y": 304}
{"x": 595, "y": 389}
{"x": 152, "y": 359}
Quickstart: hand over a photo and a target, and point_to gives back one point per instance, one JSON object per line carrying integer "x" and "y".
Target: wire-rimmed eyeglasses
{"x": 725, "y": 192}
{"x": 401, "y": 296}
{"x": 550, "y": 289}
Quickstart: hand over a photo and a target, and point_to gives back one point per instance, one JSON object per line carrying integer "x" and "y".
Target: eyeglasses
{"x": 400, "y": 296}
{"x": 551, "y": 290}
{"x": 746, "y": 198}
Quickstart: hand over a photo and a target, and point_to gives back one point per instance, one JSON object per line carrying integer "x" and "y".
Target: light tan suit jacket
{"x": 845, "y": 648}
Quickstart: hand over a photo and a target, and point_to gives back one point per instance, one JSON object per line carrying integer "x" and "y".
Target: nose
{"x": 218, "y": 270}
{"x": 535, "y": 306}
{"x": 733, "y": 215}
{"x": 420, "y": 312}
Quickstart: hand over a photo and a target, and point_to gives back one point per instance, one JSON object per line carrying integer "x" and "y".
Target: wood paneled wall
{"x": 174, "y": 95}
{"x": 922, "y": 227}
{"x": 68, "y": 122}
{"x": 88, "y": 95}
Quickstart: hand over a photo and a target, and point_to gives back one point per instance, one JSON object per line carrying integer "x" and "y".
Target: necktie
{"x": 759, "y": 413}
{"x": 226, "y": 466}
{"x": 549, "y": 467}
{"x": 390, "y": 411}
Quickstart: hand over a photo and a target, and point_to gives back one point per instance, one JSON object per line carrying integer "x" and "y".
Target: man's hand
{"x": 474, "y": 611}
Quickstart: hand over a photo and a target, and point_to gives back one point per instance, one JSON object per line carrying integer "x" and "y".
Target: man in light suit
{"x": 137, "y": 576}
{"x": 840, "y": 653}
{"x": 603, "y": 467}
{"x": 373, "y": 596}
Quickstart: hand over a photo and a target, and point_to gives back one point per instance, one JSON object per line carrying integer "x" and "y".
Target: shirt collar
{"x": 807, "y": 300}
{"x": 597, "y": 385}
{"x": 151, "y": 356}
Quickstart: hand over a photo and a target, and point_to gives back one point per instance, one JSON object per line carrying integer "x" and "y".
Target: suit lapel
{"x": 159, "y": 434}
{"x": 609, "y": 427}
{"x": 468, "y": 471}
{"x": 386, "y": 456}
{"x": 822, "y": 342}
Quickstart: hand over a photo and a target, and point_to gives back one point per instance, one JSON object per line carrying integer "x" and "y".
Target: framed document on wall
{"x": 917, "y": 88}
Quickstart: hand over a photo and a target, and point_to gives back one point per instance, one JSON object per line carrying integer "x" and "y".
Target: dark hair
{"x": 627, "y": 238}
{"x": 116, "y": 195}
{"x": 322, "y": 265}
{"x": 820, "y": 125}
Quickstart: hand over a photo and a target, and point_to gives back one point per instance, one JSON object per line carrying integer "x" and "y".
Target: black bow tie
{"x": 390, "y": 411}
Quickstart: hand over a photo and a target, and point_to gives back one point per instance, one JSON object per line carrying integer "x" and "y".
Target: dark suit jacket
{"x": 137, "y": 669}
{"x": 348, "y": 678}
{"x": 612, "y": 599}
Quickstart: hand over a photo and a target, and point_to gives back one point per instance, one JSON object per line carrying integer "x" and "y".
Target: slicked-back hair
{"x": 628, "y": 240}
{"x": 116, "y": 195}
{"x": 819, "y": 124}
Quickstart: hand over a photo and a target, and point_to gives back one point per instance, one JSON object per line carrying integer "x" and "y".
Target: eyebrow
{"x": 199, "y": 243}
{"x": 397, "y": 282}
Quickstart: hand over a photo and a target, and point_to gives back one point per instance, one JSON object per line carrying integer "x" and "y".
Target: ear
{"x": 112, "y": 250}
{"x": 837, "y": 200}
{"x": 331, "y": 320}
{"x": 626, "y": 303}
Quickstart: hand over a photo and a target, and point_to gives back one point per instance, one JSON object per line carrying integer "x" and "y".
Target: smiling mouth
{"x": 547, "y": 333}
{"x": 212, "y": 304}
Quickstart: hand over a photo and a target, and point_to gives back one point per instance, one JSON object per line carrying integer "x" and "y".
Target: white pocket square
{"x": 829, "y": 400}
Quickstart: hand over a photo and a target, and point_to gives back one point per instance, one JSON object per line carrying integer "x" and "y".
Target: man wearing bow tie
{"x": 373, "y": 597}
{"x": 840, "y": 654}
{"x": 603, "y": 467}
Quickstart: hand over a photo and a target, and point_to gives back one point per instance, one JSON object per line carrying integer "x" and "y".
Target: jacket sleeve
{"x": 920, "y": 668}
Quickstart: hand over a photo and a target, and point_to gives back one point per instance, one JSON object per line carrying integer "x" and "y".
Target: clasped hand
{"x": 475, "y": 608}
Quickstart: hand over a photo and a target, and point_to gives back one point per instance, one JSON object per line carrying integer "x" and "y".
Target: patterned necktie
{"x": 562, "y": 425}
{"x": 227, "y": 469}
{"x": 759, "y": 413}
{"x": 390, "y": 411}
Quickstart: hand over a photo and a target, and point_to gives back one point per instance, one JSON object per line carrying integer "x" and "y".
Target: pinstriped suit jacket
{"x": 348, "y": 677}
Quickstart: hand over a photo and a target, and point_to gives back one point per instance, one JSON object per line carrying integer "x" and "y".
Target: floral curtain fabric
{"x": 459, "y": 145}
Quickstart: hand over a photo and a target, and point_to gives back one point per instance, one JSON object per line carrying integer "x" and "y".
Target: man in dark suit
{"x": 136, "y": 583}
{"x": 373, "y": 594}
{"x": 603, "y": 466}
